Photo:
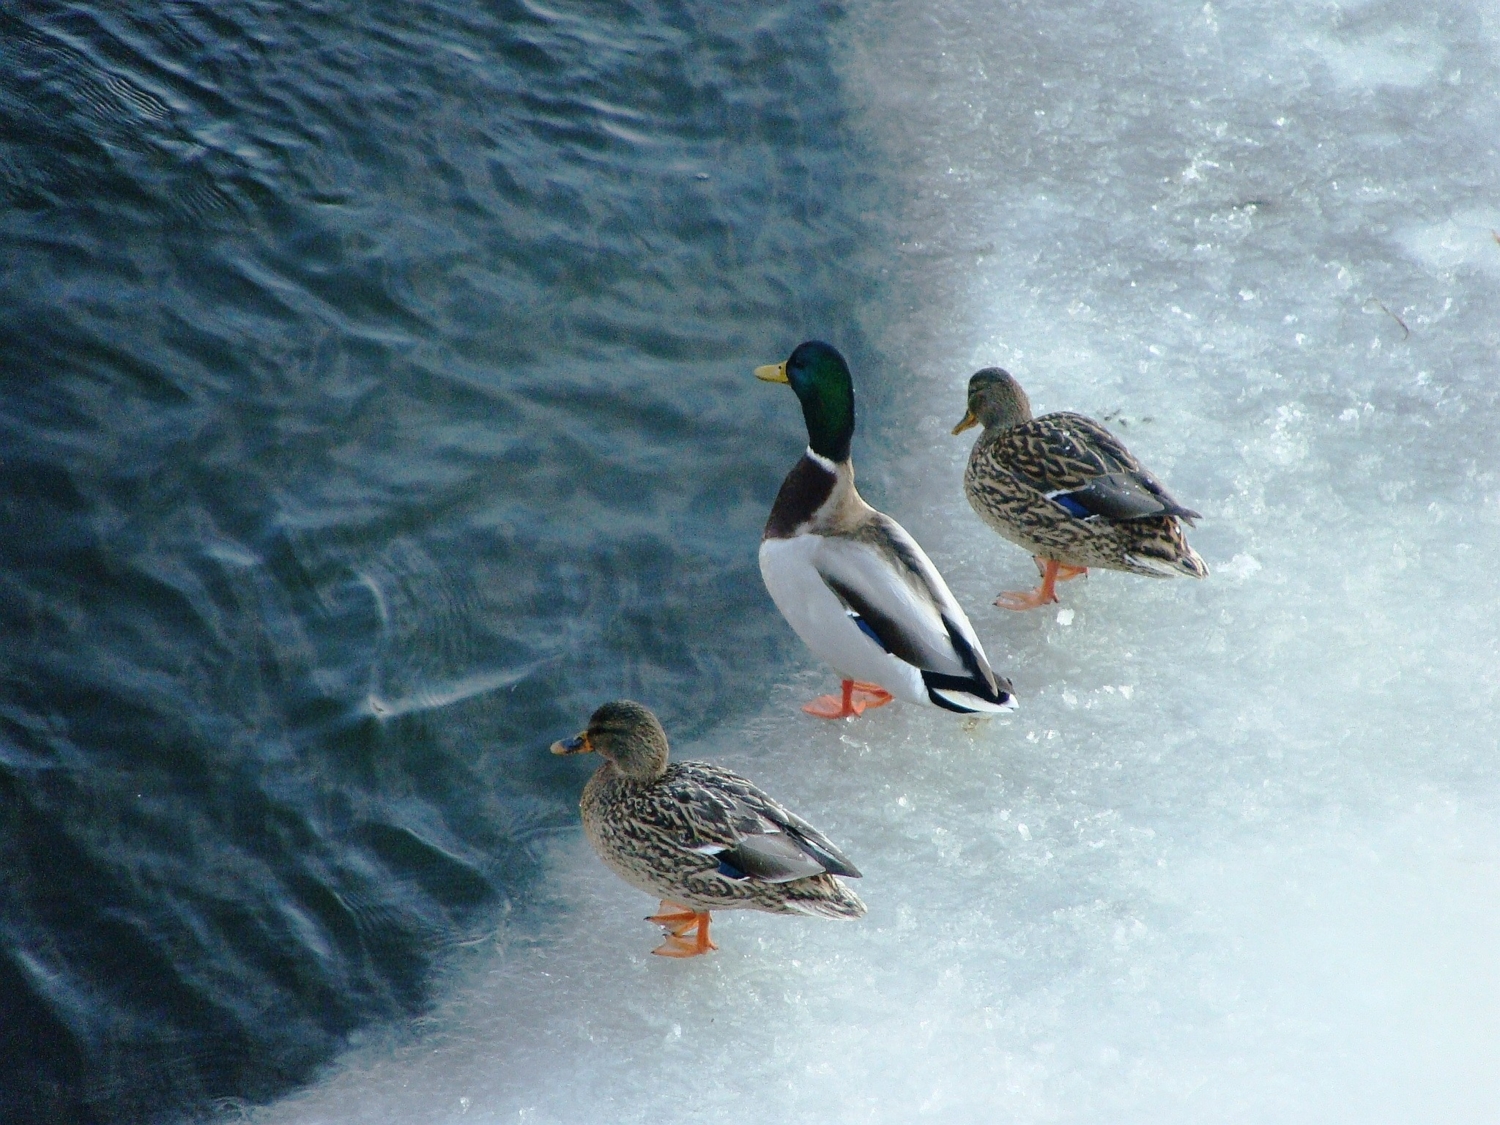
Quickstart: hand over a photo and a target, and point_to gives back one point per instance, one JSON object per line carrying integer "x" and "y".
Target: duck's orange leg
{"x": 1052, "y": 572}
{"x": 857, "y": 697}
{"x": 1065, "y": 573}
{"x": 679, "y": 944}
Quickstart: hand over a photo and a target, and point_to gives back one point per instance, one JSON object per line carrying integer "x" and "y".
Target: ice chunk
{"x": 1239, "y": 568}
{"x": 1395, "y": 56}
{"x": 1470, "y": 238}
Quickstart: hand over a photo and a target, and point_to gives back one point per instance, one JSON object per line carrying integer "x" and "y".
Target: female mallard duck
{"x": 1065, "y": 489}
{"x": 851, "y": 582}
{"x": 698, "y": 836}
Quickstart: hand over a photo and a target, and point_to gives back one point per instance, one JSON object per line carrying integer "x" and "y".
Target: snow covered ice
{"x": 1237, "y": 856}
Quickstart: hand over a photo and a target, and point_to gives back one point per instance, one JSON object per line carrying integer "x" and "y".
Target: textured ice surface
{"x": 1237, "y": 857}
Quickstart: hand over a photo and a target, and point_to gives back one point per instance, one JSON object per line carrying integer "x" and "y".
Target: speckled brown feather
{"x": 1012, "y": 470}
{"x": 647, "y": 833}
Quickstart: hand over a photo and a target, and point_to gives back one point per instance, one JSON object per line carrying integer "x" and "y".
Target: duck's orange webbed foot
{"x": 1052, "y": 573}
{"x": 675, "y": 918}
{"x": 679, "y": 942}
{"x": 857, "y": 698}
{"x": 1025, "y": 599}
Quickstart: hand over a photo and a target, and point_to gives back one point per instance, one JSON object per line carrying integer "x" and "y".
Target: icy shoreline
{"x": 1236, "y": 858}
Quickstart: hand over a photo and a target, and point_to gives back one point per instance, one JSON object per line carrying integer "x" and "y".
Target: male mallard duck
{"x": 698, "y": 836}
{"x": 1065, "y": 489}
{"x": 851, "y": 582}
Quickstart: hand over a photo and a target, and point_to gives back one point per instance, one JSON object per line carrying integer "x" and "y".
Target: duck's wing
{"x": 901, "y": 601}
{"x": 1084, "y": 469}
{"x": 728, "y": 818}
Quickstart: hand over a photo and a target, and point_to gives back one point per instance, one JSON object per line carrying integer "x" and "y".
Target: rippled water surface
{"x": 375, "y": 400}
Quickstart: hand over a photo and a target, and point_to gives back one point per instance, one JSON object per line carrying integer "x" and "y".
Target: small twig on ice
{"x": 1381, "y": 306}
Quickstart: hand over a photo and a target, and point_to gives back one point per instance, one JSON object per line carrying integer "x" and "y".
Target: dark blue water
{"x": 376, "y": 401}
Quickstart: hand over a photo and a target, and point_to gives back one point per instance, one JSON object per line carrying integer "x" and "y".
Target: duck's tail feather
{"x": 823, "y": 896}
{"x": 957, "y": 693}
{"x": 1166, "y": 555}
{"x": 981, "y": 691}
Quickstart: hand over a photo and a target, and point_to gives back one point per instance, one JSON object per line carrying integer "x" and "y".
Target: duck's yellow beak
{"x": 578, "y": 744}
{"x": 969, "y": 420}
{"x": 773, "y": 373}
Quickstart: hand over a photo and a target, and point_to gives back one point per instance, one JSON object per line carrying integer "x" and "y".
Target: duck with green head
{"x": 1066, "y": 489}
{"x": 698, "y": 836}
{"x": 851, "y": 582}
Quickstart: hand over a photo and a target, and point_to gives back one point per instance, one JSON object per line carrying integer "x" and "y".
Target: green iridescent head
{"x": 820, "y": 378}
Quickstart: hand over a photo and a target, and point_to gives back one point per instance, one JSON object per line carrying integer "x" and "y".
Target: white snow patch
{"x": 1239, "y": 568}
{"x": 1470, "y": 238}
{"x": 1396, "y": 56}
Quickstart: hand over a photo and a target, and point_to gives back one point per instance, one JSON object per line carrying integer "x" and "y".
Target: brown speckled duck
{"x": 1065, "y": 489}
{"x": 698, "y": 836}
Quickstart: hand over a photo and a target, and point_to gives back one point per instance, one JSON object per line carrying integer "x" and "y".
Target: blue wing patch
{"x": 1071, "y": 506}
{"x": 730, "y": 871}
{"x": 864, "y": 627}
